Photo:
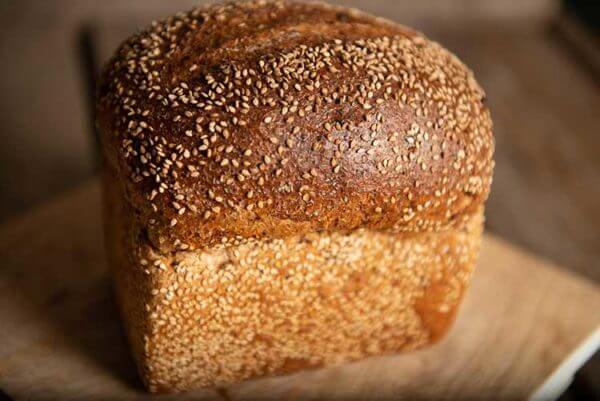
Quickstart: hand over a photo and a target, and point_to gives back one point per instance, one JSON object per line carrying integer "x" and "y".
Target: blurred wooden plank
{"x": 61, "y": 339}
{"x": 583, "y": 39}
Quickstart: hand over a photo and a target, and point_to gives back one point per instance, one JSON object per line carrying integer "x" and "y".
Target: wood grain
{"x": 61, "y": 338}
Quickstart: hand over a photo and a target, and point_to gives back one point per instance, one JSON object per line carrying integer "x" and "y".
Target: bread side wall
{"x": 204, "y": 318}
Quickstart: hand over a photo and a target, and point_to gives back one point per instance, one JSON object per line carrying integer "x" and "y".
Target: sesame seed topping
{"x": 394, "y": 109}
{"x": 281, "y": 150}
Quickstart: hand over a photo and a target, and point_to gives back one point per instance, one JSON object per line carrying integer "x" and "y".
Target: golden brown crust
{"x": 222, "y": 315}
{"x": 288, "y": 185}
{"x": 265, "y": 119}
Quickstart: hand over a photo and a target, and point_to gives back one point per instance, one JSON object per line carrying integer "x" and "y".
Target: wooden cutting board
{"x": 60, "y": 337}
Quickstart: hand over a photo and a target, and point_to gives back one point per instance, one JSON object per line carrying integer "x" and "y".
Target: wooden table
{"x": 61, "y": 339}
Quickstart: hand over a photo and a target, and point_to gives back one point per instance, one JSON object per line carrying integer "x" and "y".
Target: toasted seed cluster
{"x": 263, "y": 119}
{"x": 287, "y": 185}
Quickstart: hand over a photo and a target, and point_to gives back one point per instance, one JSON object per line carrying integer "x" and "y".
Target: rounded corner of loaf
{"x": 223, "y": 125}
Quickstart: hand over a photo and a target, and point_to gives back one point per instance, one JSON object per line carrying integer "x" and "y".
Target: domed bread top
{"x": 268, "y": 119}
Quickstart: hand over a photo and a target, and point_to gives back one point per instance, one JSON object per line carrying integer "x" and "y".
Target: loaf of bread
{"x": 287, "y": 185}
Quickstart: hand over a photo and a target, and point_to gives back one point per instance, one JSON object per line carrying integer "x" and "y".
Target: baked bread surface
{"x": 287, "y": 185}
{"x": 218, "y": 316}
{"x": 265, "y": 119}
